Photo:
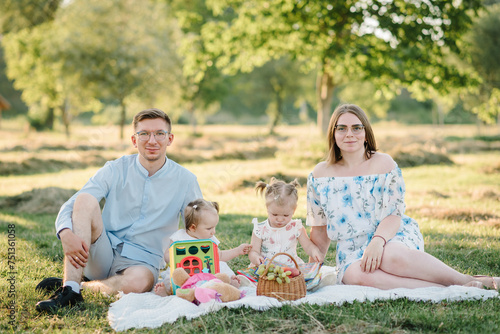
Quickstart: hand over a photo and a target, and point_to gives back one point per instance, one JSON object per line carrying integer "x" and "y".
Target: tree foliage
{"x": 202, "y": 85}
{"x": 279, "y": 85}
{"x": 33, "y": 73}
{"x": 483, "y": 45}
{"x": 399, "y": 42}
{"x": 24, "y": 21}
{"x": 16, "y": 15}
{"x": 118, "y": 50}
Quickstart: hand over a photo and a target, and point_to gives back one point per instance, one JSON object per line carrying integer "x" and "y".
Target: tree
{"x": 117, "y": 50}
{"x": 19, "y": 18}
{"x": 45, "y": 89}
{"x": 387, "y": 42}
{"x": 276, "y": 86}
{"x": 202, "y": 85}
{"x": 33, "y": 74}
{"x": 7, "y": 90}
{"x": 16, "y": 15}
{"x": 483, "y": 46}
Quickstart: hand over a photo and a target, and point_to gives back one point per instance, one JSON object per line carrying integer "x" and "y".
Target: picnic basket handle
{"x": 271, "y": 261}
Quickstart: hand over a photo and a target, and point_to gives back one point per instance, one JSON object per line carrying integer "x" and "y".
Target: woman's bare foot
{"x": 487, "y": 282}
{"x": 161, "y": 290}
{"x": 475, "y": 284}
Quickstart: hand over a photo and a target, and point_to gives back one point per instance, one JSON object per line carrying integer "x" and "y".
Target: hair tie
{"x": 195, "y": 206}
{"x": 267, "y": 186}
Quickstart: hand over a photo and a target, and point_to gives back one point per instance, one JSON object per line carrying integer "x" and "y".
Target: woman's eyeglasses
{"x": 355, "y": 129}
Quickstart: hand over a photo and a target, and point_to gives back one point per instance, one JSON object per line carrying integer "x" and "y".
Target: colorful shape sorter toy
{"x": 195, "y": 256}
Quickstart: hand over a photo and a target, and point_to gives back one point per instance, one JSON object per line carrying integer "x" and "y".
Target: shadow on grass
{"x": 32, "y": 166}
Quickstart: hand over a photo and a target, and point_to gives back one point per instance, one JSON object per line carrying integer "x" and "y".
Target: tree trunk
{"x": 192, "y": 118}
{"x": 66, "y": 117}
{"x": 122, "y": 118}
{"x": 440, "y": 113}
{"x": 278, "y": 92}
{"x": 324, "y": 96}
{"x": 49, "y": 120}
{"x": 498, "y": 119}
{"x": 478, "y": 125}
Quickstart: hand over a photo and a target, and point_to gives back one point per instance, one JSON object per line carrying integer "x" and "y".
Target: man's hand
{"x": 75, "y": 249}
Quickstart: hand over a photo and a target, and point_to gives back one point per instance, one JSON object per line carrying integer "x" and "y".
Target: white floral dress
{"x": 279, "y": 240}
{"x": 353, "y": 207}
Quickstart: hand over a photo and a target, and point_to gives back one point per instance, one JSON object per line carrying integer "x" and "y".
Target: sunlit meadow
{"x": 456, "y": 204}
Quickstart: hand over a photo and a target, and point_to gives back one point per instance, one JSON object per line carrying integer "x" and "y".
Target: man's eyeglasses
{"x": 355, "y": 129}
{"x": 159, "y": 135}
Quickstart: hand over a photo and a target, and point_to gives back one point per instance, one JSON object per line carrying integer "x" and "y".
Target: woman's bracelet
{"x": 385, "y": 241}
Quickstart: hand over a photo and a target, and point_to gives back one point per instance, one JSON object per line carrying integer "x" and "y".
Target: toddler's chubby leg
{"x": 240, "y": 281}
{"x": 162, "y": 289}
{"x": 235, "y": 281}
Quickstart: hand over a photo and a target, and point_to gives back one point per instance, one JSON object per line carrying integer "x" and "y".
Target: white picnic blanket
{"x": 149, "y": 310}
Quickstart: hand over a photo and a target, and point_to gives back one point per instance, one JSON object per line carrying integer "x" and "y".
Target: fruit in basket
{"x": 293, "y": 271}
{"x": 261, "y": 269}
{"x": 276, "y": 272}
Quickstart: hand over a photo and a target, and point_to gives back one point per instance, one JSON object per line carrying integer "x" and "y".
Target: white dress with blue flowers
{"x": 353, "y": 207}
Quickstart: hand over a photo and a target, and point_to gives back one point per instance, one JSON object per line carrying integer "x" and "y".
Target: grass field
{"x": 456, "y": 204}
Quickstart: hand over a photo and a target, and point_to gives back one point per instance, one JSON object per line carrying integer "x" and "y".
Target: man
{"x": 121, "y": 249}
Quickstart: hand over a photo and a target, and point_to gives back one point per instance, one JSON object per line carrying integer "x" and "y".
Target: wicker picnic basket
{"x": 294, "y": 290}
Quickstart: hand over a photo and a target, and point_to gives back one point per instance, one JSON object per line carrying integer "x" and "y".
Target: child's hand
{"x": 255, "y": 258}
{"x": 317, "y": 256}
{"x": 244, "y": 249}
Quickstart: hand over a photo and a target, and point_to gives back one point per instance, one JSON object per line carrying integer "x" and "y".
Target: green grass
{"x": 457, "y": 207}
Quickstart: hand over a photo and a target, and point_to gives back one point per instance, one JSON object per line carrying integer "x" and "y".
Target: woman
{"x": 356, "y": 197}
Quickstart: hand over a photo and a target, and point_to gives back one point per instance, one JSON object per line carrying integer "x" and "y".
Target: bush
{"x": 302, "y": 154}
{"x": 417, "y": 156}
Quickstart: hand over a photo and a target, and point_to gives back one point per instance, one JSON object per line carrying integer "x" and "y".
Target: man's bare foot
{"x": 161, "y": 290}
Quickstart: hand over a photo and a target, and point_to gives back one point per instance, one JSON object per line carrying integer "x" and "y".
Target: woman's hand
{"x": 316, "y": 255}
{"x": 372, "y": 257}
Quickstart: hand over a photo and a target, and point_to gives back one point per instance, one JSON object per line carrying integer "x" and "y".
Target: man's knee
{"x": 86, "y": 201}
{"x": 137, "y": 279}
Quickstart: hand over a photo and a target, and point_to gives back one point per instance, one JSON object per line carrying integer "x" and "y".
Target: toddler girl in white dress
{"x": 279, "y": 233}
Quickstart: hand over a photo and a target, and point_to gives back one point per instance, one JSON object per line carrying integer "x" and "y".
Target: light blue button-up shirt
{"x": 141, "y": 211}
